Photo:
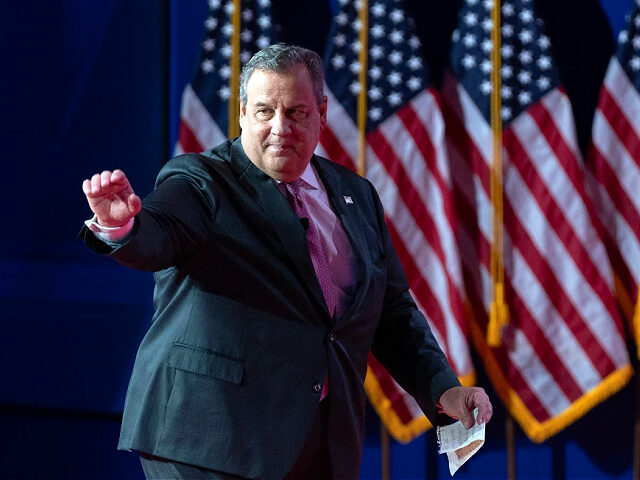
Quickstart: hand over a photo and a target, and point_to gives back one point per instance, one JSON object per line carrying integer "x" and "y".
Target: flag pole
{"x": 498, "y": 313}
{"x": 363, "y": 37}
{"x": 233, "y": 129}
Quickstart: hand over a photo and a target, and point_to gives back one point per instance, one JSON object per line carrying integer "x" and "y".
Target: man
{"x": 275, "y": 277}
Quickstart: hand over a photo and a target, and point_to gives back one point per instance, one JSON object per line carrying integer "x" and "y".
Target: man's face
{"x": 281, "y": 122}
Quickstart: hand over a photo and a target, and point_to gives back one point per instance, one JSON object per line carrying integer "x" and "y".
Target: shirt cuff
{"x": 109, "y": 234}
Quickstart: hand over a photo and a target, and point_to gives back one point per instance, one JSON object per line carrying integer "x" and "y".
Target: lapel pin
{"x": 347, "y": 199}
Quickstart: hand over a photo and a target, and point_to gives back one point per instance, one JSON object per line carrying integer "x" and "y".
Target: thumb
{"x": 134, "y": 203}
{"x": 467, "y": 419}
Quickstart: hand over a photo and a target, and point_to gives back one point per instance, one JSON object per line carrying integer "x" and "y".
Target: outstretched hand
{"x": 460, "y": 402}
{"x": 111, "y": 198}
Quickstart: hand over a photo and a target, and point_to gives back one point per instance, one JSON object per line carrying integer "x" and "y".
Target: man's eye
{"x": 298, "y": 115}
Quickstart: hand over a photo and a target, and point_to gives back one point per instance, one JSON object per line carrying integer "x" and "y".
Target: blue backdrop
{"x": 96, "y": 85}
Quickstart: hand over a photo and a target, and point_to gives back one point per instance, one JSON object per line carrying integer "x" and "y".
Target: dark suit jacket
{"x": 229, "y": 375}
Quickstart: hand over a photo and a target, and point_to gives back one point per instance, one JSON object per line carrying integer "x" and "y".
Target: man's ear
{"x": 243, "y": 115}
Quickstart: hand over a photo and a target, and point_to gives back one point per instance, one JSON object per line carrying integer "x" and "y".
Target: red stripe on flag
{"x": 334, "y": 149}
{"x": 390, "y": 390}
{"x": 187, "y": 139}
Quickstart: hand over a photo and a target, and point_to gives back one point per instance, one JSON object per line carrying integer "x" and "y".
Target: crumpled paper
{"x": 459, "y": 443}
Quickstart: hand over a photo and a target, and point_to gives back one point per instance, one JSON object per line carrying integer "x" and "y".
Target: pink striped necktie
{"x": 318, "y": 258}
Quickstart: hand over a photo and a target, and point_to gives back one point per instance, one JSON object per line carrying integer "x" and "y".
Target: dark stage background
{"x": 93, "y": 85}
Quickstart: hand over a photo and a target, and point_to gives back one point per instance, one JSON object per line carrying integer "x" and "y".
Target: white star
{"x": 506, "y": 72}
{"x": 375, "y": 114}
{"x": 339, "y": 40}
{"x": 488, "y": 4}
{"x": 214, "y": 4}
{"x": 469, "y": 40}
{"x": 525, "y": 36}
{"x": 375, "y": 73}
{"x": 227, "y": 30}
{"x": 377, "y": 31}
{"x": 211, "y": 23}
{"x": 636, "y": 20}
{"x": 226, "y": 51}
{"x": 356, "y": 46}
{"x": 468, "y": 62}
{"x": 228, "y": 8}
{"x": 245, "y": 56}
{"x": 470, "y": 19}
{"x": 544, "y": 42}
{"x": 505, "y": 92}
{"x": 544, "y": 62}
{"x": 246, "y": 35}
{"x": 634, "y": 63}
{"x": 543, "y": 83}
{"x": 376, "y": 52}
{"x": 506, "y": 113}
{"x": 394, "y": 78}
{"x": 355, "y": 67}
{"x": 394, "y": 99}
{"x": 524, "y": 97}
{"x": 207, "y": 66}
{"x": 455, "y": 36}
{"x": 487, "y": 46}
{"x": 414, "y": 42}
{"x": 396, "y": 16}
{"x": 414, "y": 84}
{"x": 507, "y": 30}
{"x": 526, "y": 16}
{"x": 507, "y": 51}
{"x": 337, "y": 61}
{"x": 264, "y": 22}
{"x": 396, "y": 36}
{"x": 356, "y": 25}
{"x": 395, "y": 58}
{"x": 378, "y": 10}
{"x": 636, "y": 42}
{"x": 224, "y": 93}
{"x": 472, "y": 2}
{"x": 375, "y": 94}
{"x": 487, "y": 24}
{"x": 623, "y": 36}
{"x": 485, "y": 87}
{"x": 525, "y": 57}
{"x": 507, "y": 9}
{"x": 263, "y": 41}
{"x": 209, "y": 44}
{"x": 524, "y": 77}
{"x": 415, "y": 63}
{"x": 355, "y": 88}
{"x": 224, "y": 71}
{"x": 341, "y": 18}
{"x": 264, "y": 3}
{"x": 486, "y": 66}
{"x": 247, "y": 15}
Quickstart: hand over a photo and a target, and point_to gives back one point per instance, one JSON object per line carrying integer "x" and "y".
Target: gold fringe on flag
{"x": 498, "y": 311}
{"x": 363, "y": 37}
{"x": 233, "y": 129}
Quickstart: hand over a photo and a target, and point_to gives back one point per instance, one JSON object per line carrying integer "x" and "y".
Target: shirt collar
{"x": 309, "y": 177}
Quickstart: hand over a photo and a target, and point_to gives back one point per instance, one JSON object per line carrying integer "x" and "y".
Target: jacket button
{"x": 332, "y": 337}
{"x": 317, "y": 388}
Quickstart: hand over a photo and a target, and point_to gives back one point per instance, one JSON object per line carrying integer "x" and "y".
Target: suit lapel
{"x": 282, "y": 226}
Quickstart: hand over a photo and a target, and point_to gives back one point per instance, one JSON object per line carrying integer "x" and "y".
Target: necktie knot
{"x": 294, "y": 187}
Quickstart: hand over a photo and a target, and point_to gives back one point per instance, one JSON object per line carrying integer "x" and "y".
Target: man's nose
{"x": 280, "y": 124}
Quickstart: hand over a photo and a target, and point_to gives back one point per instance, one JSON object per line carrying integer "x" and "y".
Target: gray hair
{"x": 283, "y": 58}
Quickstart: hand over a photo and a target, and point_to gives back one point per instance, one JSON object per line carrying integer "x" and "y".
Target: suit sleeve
{"x": 174, "y": 222}
{"x": 403, "y": 341}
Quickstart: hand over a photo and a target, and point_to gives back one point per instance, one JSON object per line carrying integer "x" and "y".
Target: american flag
{"x": 407, "y": 164}
{"x": 563, "y": 350}
{"x": 614, "y": 165}
{"x": 205, "y": 101}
